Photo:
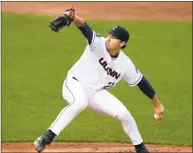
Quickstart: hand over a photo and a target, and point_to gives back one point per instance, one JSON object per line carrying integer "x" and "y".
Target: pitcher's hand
{"x": 158, "y": 108}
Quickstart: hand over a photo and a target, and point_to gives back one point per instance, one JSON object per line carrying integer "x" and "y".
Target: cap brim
{"x": 110, "y": 32}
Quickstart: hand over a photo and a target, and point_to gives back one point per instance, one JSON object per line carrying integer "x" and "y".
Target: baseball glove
{"x": 63, "y": 20}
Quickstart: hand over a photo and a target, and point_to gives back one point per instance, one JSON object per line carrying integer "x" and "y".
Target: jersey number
{"x": 110, "y": 85}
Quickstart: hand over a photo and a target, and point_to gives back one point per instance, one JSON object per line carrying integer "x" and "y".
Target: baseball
{"x": 155, "y": 116}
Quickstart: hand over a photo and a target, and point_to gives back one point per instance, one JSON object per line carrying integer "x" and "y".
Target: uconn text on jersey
{"x": 108, "y": 69}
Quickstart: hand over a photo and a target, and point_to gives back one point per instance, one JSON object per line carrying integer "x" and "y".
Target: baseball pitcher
{"x": 102, "y": 65}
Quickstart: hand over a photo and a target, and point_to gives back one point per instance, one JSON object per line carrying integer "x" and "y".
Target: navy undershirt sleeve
{"x": 146, "y": 88}
{"x": 87, "y": 32}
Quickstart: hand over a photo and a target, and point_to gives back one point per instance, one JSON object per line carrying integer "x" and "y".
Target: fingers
{"x": 159, "y": 111}
{"x": 159, "y": 116}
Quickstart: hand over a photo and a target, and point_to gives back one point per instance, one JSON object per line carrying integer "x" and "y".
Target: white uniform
{"x": 95, "y": 71}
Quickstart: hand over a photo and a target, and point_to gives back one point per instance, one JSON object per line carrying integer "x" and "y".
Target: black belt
{"x": 75, "y": 78}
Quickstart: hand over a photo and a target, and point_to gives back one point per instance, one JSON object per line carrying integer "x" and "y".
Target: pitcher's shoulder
{"x": 125, "y": 57}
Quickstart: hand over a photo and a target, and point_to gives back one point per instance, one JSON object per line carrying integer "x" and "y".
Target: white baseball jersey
{"x": 98, "y": 70}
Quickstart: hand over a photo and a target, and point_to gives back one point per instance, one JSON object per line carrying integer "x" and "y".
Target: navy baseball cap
{"x": 120, "y": 33}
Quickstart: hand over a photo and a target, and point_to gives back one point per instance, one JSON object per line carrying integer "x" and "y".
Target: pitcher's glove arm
{"x": 63, "y": 20}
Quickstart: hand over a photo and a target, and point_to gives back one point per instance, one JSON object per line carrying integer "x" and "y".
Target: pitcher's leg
{"x": 106, "y": 103}
{"x": 75, "y": 95}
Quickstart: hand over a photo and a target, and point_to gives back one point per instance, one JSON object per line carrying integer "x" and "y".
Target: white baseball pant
{"x": 79, "y": 97}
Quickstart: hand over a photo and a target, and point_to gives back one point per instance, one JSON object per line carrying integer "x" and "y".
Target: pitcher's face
{"x": 112, "y": 43}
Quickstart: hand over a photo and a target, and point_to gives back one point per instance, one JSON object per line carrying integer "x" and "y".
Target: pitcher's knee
{"x": 67, "y": 95}
{"x": 125, "y": 115}
{"x": 81, "y": 105}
